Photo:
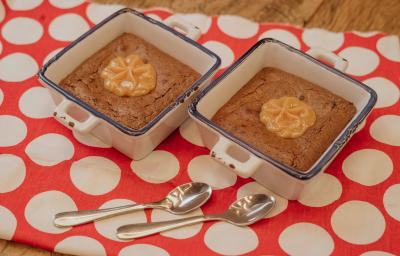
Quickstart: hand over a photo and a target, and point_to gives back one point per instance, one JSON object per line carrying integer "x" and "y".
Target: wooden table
{"x": 335, "y": 15}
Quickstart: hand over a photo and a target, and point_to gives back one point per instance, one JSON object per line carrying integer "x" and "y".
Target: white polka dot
{"x": 205, "y": 169}
{"x": 237, "y": 27}
{"x": 1, "y": 47}
{"x": 90, "y": 140}
{"x": 389, "y": 47}
{"x": 255, "y": 188}
{"x": 17, "y": 67}
{"x": 12, "y": 172}
{"x": 388, "y": 92}
{"x": 23, "y": 5}
{"x": 386, "y": 129}
{"x": 306, "y": 239}
{"x": 108, "y": 227}
{"x": 1, "y": 95}
{"x": 158, "y": 167}
{"x": 321, "y": 191}
{"x": 391, "y": 201}
{"x": 67, "y": 27}
{"x": 142, "y": 250}
{"x": 95, "y": 175}
{"x": 179, "y": 233}
{"x": 376, "y": 253}
{"x": 316, "y": 37}
{"x": 227, "y": 239}
{"x": 50, "y": 149}
{"x": 365, "y": 34}
{"x": 358, "y": 222}
{"x": 36, "y": 102}
{"x": 368, "y": 167}
{"x": 190, "y": 132}
{"x": 51, "y": 55}
{"x": 2, "y": 13}
{"x": 65, "y": 4}
{"x": 12, "y": 129}
{"x": 8, "y": 223}
{"x": 362, "y": 61}
{"x": 41, "y": 208}
{"x": 203, "y": 22}
{"x": 22, "y": 30}
{"x": 80, "y": 245}
{"x": 283, "y": 36}
{"x": 223, "y": 51}
{"x": 98, "y": 12}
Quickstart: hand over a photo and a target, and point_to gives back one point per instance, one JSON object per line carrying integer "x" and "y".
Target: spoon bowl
{"x": 249, "y": 209}
{"x": 187, "y": 197}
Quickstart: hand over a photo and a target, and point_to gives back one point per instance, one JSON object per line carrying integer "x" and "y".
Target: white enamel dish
{"x": 247, "y": 161}
{"x": 82, "y": 118}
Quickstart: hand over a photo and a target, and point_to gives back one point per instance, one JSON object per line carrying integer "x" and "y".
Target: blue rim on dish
{"x": 332, "y": 150}
{"x": 181, "y": 98}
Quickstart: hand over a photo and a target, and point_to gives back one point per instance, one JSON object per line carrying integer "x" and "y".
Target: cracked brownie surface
{"x": 173, "y": 78}
{"x": 240, "y": 117}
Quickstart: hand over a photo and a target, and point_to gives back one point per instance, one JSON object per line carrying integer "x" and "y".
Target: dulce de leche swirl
{"x": 129, "y": 76}
{"x": 288, "y": 117}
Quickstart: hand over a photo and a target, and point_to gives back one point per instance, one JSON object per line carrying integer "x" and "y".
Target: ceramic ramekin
{"x": 80, "y": 117}
{"x": 247, "y": 161}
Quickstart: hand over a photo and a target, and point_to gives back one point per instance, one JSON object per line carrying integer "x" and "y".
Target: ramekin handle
{"x": 191, "y": 31}
{"x": 338, "y": 62}
{"x": 243, "y": 169}
{"x": 61, "y": 114}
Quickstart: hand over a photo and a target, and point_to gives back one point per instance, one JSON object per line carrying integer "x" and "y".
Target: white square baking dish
{"x": 80, "y": 117}
{"x": 247, "y": 161}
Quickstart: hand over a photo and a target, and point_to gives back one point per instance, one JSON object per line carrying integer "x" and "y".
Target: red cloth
{"x": 298, "y": 228}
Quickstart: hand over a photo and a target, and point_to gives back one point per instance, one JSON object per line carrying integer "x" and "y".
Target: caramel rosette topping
{"x": 129, "y": 76}
{"x": 288, "y": 117}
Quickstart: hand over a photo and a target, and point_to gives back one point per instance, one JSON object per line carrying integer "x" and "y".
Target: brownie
{"x": 173, "y": 78}
{"x": 240, "y": 117}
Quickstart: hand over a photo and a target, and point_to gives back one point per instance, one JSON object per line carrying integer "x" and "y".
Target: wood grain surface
{"x": 335, "y": 15}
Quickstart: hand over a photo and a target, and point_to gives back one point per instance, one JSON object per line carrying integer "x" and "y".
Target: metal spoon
{"x": 182, "y": 199}
{"x": 243, "y": 212}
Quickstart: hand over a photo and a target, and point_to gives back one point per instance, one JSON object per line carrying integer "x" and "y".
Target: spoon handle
{"x": 74, "y": 218}
{"x": 146, "y": 229}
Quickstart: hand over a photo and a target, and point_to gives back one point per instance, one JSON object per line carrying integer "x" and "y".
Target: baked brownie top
{"x": 240, "y": 116}
{"x": 173, "y": 78}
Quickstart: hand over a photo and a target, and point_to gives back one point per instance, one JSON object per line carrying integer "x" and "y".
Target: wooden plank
{"x": 284, "y": 11}
{"x": 9, "y": 248}
{"x": 361, "y": 15}
{"x": 335, "y": 15}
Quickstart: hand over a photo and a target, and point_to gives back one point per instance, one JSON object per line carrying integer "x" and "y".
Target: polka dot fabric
{"x": 353, "y": 209}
